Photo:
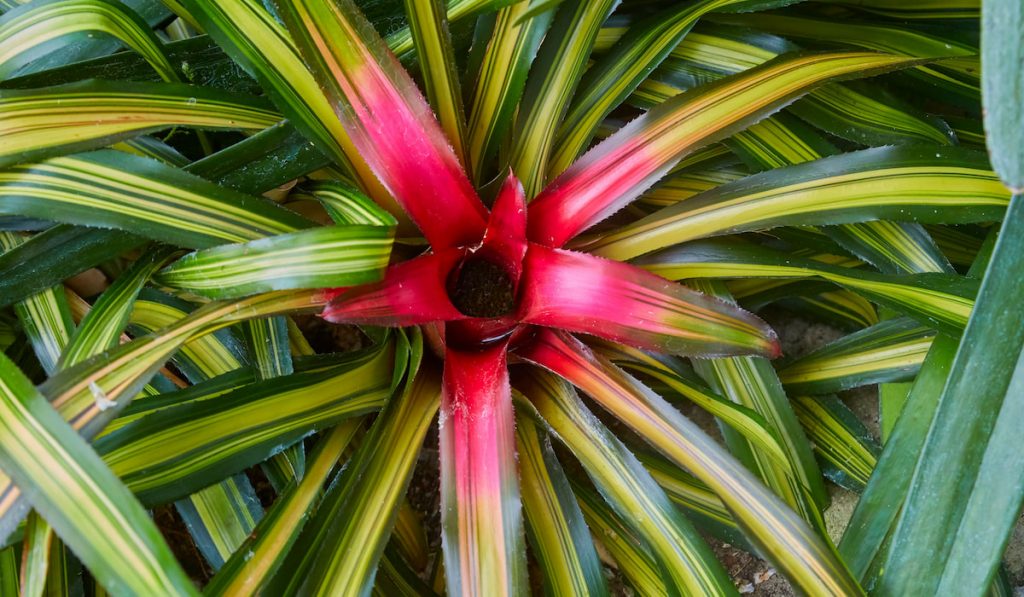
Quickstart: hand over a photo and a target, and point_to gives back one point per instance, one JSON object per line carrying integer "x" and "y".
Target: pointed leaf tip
{"x": 620, "y": 302}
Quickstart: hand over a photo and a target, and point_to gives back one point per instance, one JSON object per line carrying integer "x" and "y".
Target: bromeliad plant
{"x": 538, "y": 247}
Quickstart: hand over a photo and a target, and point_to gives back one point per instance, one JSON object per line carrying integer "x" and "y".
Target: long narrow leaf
{"x": 76, "y": 493}
{"x": 806, "y": 559}
{"x": 39, "y": 123}
{"x": 925, "y": 184}
{"x": 624, "y": 165}
{"x": 387, "y": 118}
{"x": 629, "y": 489}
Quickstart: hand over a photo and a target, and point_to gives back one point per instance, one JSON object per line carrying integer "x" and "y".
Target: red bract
{"x": 492, "y": 280}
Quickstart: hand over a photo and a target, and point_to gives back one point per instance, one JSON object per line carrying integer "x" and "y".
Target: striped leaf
{"x": 927, "y": 9}
{"x": 872, "y": 35}
{"x": 220, "y": 517}
{"x": 101, "y": 328}
{"x": 37, "y": 28}
{"x": 162, "y": 457}
{"x": 892, "y": 350}
{"x": 629, "y": 489}
{"x": 428, "y": 23}
{"x": 482, "y": 533}
{"x": 45, "y": 317}
{"x": 258, "y": 43}
{"x": 56, "y": 254}
{"x": 329, "y": 256}
{"x": 124, "y": 369}
{"x": 39, "y": 123}
{"x": 409, "y": 536}
{"x": 804, "y": 556}
{"x": 114, "y": 189}
{"x": 752, "y": 382}
{"x": 938, "y": 300}
{"x": 77, "y": 494}
{"x": 403, "y": 44}
{"x": 377, "y": 102}
{"x": 511, "y": 47}
{"x": 346, "y": 204}
{"x": 859, "y": 111}
{"x": 263, "y": 552}
{"x": 624, "y": 165}
{"x": 743, "y": 420}
{"x": 782, "y": 140}
{"x": 892, "y": 247}
{"x": 200, "y": 359}
{"x": 360, "y": 512}
{"x": 556, "y": 73}
{"x": 554, "y": 523}
{"x": 840, "y": 440}
{"x": 616, "y": 74}
{"x": 700, "y": 503}
{"x": 628, "y": 555}
{"x": 267, "y": 344}
{"x": 924, "y": 184}
{"x": 36, "y": 546}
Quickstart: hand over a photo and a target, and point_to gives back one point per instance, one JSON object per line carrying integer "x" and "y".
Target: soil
{"x": 482, "y": 289}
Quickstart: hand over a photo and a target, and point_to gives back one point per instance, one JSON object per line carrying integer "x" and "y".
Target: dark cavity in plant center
{"x": 482, "y": 289}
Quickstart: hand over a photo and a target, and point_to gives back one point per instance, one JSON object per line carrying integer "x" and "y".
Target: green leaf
{"x": 940, "y": 300}
{"x": 77, "y": 494}
{"x": 892, "y": 350}
{"x": 840, "y": 439}
{"x": 262, "y": 554}
{"x": 511, "y": 48}
{"x": 979, "y": 411}
{"x": 326, "y": 257}
{"x": 41, "y": 26}
{"x": 9, "y": 581}
{"x": 116, "y": 190}
{"x": 924, "y": 184}
{"x": 865, "y": 542}
{"x": 39, "y": 123}
{"x": 807, "y": 559}
{"x": 689, "y": 563}
{"x": 553, "y": 79}
{"x": 554, "y": 522}
{"x": 1002, "y": 53}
